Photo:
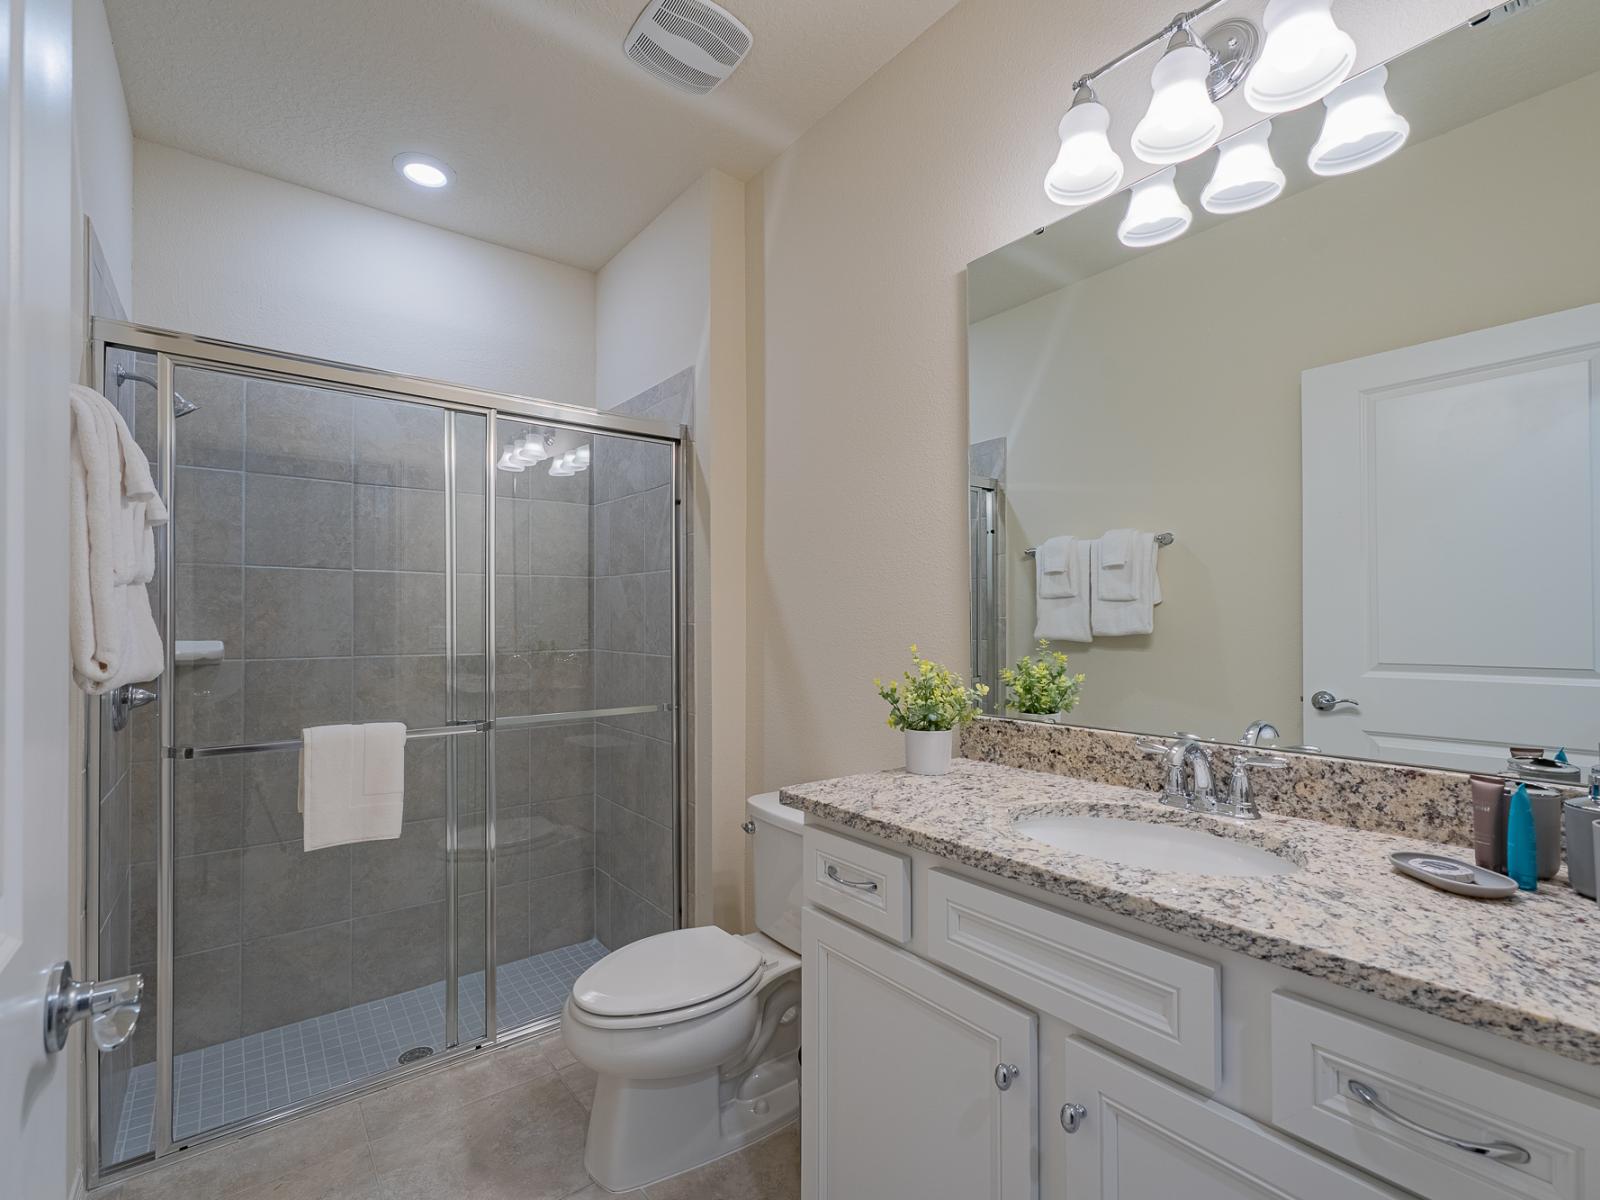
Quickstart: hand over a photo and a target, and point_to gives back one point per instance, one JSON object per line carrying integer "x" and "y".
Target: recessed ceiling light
{"x": 422, "y": 170}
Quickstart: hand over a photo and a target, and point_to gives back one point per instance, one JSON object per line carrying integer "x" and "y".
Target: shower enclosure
{"x": 503, "y": 576}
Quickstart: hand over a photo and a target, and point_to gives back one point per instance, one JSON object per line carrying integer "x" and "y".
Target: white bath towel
{"x": 1120, "y": 614}
{"x": 352, "y": 783}
{"x": 113, "y": 510}
{"x": 1056, "y": 559}
{"x": 1064, "y": 618}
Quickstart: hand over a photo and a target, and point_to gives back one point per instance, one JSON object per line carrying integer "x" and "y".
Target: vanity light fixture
{"x": 1361, "y": 127}
{"x": 1087, "y": 168}
{"x": 423, "y": 171}
{"x": 1156, "y": 213}
{"x": 1183, "y": 120}
{"x": 571, "y": 462}
{"x": 510, "y": 462}
{"x": 1304, "y": 57}
{"x": 1245, "y": 177}
{"x": 534, "y": 447}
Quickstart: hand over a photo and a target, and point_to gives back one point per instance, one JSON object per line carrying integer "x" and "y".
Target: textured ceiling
{"x": 560, "y": 148}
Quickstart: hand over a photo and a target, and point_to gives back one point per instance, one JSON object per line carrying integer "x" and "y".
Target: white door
{"x": 36, "y": 365}
{"x": 1452, "y": 547}
{"x": 1141, "y": 1138}
{"x": 906, "y": 1095}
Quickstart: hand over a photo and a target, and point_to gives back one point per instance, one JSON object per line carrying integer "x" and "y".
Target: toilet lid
{"x": 666, "y": 972}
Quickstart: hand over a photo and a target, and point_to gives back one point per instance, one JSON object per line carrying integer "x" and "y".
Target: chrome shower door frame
{"x": 173, "y": 350}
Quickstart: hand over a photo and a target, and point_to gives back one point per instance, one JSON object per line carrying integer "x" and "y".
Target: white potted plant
{"x": 928, "y": 704}
{"x": 1042, "y": 686}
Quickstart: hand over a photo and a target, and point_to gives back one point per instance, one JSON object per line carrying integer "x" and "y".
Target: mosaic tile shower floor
{"x": 217, "y": 1085}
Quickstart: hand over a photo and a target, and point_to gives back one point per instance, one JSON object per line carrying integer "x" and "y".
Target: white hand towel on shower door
{"x": 352, "y": 783}
{"x": 1064, "y": 618}
{"x": 1125, "y": 617}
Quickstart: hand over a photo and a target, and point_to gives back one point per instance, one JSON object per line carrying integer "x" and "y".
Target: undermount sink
{"x": 1155, "y": 847}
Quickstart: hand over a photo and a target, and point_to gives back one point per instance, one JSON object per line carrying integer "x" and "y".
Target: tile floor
{"x": 229, "y": 1082}
{"x": 508, "y": 1124}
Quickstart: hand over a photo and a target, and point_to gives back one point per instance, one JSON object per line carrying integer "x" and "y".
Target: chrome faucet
{"x": 1186, "y": 758}
{"x": 1257, "y": 731}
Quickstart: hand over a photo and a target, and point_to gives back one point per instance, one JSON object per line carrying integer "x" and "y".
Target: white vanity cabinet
{"x": 916, "y": 1085}
{"x": 1136, "y": 1137}
{"x": 964, "y": 1041}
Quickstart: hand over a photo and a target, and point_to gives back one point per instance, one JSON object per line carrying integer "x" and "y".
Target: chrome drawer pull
{"x": 1005, "y": 1074}
{"x": 864, "y": 885}
{"x": 1499, "y": 1151}
{"x": 1072, "y": 1116}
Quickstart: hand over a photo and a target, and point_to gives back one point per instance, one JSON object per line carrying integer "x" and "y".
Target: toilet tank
{"x": 779, "y": 853}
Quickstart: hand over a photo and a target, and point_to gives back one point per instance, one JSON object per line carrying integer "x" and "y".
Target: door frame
{"x": 173, "y": 350}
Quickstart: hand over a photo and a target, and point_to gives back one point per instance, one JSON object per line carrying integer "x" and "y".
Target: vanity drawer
{"x": 1148, "y": 1001}
{"x": 1318, "y": 1053}
{"x": 861, "y": 883}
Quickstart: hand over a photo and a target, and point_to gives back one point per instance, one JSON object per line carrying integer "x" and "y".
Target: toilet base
{"x": 644, "y": 1131}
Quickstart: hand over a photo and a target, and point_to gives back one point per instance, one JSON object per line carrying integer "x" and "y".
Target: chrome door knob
{"x": 1072, "y": 1116}
{"x": 1005, "y": 1074}
{"x": 1326, "y": 701}
{"x": 112, "y": 1008}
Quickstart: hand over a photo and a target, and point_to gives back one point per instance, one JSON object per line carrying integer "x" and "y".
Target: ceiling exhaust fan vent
{"x": 691, "y": 44}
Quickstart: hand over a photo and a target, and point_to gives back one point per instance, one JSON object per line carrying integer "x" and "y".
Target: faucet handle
{"x": 1241, "y": 803}
{"x": 1152, "y": 746}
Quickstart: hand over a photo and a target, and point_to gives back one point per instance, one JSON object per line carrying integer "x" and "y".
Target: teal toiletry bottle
{"x": 1522, "y": 859}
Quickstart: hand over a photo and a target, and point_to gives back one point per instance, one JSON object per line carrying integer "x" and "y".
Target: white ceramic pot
{"x": 928, "y": 751}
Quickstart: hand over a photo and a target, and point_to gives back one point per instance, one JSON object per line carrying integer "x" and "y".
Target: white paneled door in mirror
{"x": 1450, "y": 500}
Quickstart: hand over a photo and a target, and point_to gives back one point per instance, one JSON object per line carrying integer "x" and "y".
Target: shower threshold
{"x": 246, "y": 1077}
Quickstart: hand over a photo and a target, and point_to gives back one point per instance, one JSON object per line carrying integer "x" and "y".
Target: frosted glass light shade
{"x": 1360, "y": 127}
{"x": 1182, "y": 121}
{"x": 532, "y": 449}
{"x": 1246, "y": 177}
{"x": 1087, "y": 168}
{"x": 1156, "y": 213}
{"x": 1305, "y": 56}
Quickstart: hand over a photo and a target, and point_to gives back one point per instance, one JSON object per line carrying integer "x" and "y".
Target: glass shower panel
{"x": 314, "y": 584}
{"x": 126, "y": 846}
{"x": 585, "y": 817}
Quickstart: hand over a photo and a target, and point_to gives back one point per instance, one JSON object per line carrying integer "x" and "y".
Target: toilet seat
{"x": 666, "y": 979}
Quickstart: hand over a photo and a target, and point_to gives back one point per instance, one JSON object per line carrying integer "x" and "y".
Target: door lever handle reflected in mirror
{"x": 1326, "y": 701}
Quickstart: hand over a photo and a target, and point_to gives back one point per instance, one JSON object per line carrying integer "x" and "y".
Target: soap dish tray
{"x": 1453, "y": 875}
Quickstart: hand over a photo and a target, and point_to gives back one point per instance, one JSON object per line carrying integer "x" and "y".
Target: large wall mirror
{"x": 1368, "y": 413}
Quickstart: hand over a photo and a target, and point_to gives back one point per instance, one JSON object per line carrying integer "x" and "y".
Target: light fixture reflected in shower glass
{"x": 1156, "y": 213}
{"x": 534, "y": 447}
{"x": 1360, "y": 128}
{"x": 1246, "y": 177}
{"x": 1305, "y": 56}
{"x": 1087, "y": 168}
{"x": 1182, "y": 120}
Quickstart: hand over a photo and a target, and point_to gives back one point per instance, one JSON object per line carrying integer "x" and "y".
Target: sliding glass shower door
{"x": 351, "y": 548}
{"x": 584, "y": 723}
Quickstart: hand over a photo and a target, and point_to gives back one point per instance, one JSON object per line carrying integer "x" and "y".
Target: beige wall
{"x": 674, "y": 297}
{"x": 1126, "y": 401}
{"x": 859, "y": 432}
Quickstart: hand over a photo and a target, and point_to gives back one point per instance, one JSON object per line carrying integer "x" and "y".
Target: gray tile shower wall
{"x": 635, "y": 843}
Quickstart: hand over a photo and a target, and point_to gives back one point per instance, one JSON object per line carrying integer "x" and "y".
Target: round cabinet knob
{"x": 1072, "y": 1116}
{"x": 1005, "y": 1074}
{"x": 1326, "y": 701}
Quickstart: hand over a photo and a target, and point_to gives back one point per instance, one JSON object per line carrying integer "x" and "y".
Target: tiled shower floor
{"x": 220, "y": 1084}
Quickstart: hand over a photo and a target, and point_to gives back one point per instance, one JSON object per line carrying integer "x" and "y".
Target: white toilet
{"x": 695, "y": 1034}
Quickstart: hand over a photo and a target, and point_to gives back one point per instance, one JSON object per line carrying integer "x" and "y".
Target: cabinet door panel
{"x": 1142, "y": 1138}
{"x": 901, "y": 1100}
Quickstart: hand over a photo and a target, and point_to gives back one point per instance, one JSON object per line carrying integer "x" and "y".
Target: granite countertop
{"x": 1526, "y": 968}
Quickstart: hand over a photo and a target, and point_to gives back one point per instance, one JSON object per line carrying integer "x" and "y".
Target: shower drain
{"x": 415, "y": 1054}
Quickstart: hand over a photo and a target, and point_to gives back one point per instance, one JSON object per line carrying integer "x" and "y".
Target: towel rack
{"x": 465, "y": 727}
{"x": 1162, "y": 539}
